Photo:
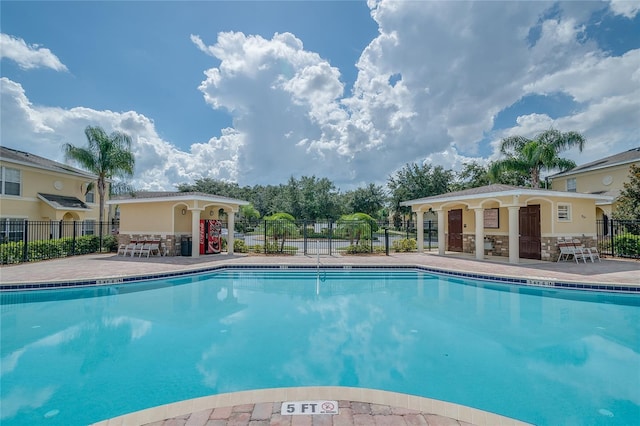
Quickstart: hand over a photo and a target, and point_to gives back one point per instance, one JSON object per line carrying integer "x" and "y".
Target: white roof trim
{"x": 213, "y": 199}
{"x": 537, "y": 193}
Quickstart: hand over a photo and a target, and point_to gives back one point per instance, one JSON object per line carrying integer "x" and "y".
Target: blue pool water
{"x": 549, "y": 357}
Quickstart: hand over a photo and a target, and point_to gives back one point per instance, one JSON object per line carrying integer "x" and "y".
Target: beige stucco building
{"x": 604, "y": 177}
{"x": 34, "y": 188}
{"x": 504, "y": 220}
{"x": 173, "y": 216}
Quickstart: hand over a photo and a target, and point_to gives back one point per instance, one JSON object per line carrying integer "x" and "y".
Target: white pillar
{"x": 514, "y": 234}
{"x": 231, "y": 224}
{"x": 420, "y": 230}
{"x": 479, "y": 233}
{"x": 441, "y": 242}
{"x": 195, "y": 233}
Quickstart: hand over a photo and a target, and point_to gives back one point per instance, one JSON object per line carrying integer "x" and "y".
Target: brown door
{"x": 455, "y": 230}
{"x": 530, "y": 241}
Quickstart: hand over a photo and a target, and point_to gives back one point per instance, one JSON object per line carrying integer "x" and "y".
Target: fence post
{"x": 73, "y": 241}
{"x": 371, "y": 238}
{"x": 611, "y": 239}
{"x": 330, "y": 235}
{"x": 304, "y": 237}
{"x": 101, "y": 227}
{"x": 265, "y": 237}
{"x": 430, "y": 229}
{"x": 25, "y": 239}
{"x": 386, "y": 240}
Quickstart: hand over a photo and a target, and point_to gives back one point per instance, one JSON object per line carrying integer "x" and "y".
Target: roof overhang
{"x": 150, "y": 197}
{"x": 61, "y": 202}
{"x": 511, "y": 192}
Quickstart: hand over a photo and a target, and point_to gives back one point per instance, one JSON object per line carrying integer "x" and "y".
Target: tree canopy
{"x": 531, "y": 156}
{"x": 628, "y": 203}
{"x": 106, "y": 156}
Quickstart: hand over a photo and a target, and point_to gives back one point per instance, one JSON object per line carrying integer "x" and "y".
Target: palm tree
{"x": 356, "y": 225}
{"x": 530, "y": 156}
{"x": 106, "y": 156}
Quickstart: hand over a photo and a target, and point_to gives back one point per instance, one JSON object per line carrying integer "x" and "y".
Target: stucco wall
{"x": 609, "y": 179}
{"x": 34, "y": 181}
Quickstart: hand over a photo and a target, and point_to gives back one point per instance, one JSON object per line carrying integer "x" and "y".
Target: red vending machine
{"x": 210, "y": 239}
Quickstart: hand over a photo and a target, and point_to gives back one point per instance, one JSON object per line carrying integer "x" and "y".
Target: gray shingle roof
{"x": 22, "y": 157}
{"x": 621, "y": 158}
{"x": 63, "y": 202}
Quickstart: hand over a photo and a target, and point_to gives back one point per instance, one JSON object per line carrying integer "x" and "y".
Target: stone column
{"x": 514, "y": 234}
{"x": 195, "y": 233}
{"x": 479, "y": 233}
{"x": 231, "y": 223}
{"x": 441, "y": 242}
{"x": 420, "y": 231}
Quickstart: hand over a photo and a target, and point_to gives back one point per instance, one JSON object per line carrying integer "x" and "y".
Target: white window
{"x": 10, "y": 181}
{"x": 564, "y": 212}
{"x": 90, "y": 196}
{"x": 88, "y": 227}
{"x": 11, "y": 230}
{"x": 571, "y": 184}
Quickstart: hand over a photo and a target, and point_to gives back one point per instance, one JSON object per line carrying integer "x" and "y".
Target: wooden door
{"x": 530, "y": 236}
{"x": 455, "y": 230}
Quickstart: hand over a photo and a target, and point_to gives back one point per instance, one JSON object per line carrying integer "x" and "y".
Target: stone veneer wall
{"x": 549, "y": 245}
{"x": 500, "y": 244}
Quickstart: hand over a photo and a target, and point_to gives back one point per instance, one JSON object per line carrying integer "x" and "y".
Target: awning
{"x": 61, "y": 202}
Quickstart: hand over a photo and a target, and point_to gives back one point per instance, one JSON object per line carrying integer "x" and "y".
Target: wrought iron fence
{"x": 328, "y": 237}
{"x": 28, "y": 241}
{"x": 619, "y": 238}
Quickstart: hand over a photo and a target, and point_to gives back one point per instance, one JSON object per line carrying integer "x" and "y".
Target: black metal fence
{"x": 619, "y": 238}
{"x": 28, "y": 241}
{"x": 328, "y": 237}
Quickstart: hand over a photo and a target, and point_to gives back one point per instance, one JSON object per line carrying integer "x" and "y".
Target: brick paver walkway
{"x": 351, "y": 413}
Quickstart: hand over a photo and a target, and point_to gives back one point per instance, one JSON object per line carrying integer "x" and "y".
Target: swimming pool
{"x": 545, "y": 356}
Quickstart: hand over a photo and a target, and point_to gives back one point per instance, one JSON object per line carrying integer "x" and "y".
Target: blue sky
{"x": 256, "y": 92}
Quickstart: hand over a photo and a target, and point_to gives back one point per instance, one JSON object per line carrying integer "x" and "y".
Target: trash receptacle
{"x": 185, "y": 246}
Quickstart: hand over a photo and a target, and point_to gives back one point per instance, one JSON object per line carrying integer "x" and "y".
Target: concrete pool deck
{"x": 357, "y": 406}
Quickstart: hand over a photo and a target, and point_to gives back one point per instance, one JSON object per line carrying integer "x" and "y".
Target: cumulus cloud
{"x": 429, "y": 87}
{"x": 627, "y": 8}
{"x": 159, "y": 164}
{"x": 28, "y": 56}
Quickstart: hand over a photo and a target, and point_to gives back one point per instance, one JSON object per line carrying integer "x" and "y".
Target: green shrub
{"x": 110, "y": 243}
{"x": 239, "y": 246}
{"x": 361, "y": 247}
{"x": 627, "y": 245}
{"x": 405, "y": 245}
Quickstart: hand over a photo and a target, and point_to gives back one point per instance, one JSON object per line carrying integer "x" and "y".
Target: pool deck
{"x": 356, "y": 406}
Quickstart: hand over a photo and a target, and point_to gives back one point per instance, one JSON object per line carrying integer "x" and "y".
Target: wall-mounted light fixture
{"x": 184, "y": 211}
{"x": 211, "y": 212}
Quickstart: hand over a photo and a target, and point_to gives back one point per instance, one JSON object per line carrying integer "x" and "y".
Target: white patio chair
{"x": 150, "y": 247}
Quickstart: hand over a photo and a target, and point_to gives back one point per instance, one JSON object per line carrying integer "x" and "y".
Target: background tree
{"x": 106, "y": 156}
{"x": 413, "y": 181}
{"x": 628, "y": 203}
{"x": 472, "y": 175}
{"x": 530, "y": 156}
{"x": 370, "y": 200}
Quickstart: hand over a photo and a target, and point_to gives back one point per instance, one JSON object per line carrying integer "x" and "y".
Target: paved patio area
{"x": 365, "y": 408}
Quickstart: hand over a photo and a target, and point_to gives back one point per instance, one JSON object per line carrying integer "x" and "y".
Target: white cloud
{"x": 626, "y": 8}
{"x": 28, "y": 56}
{"x": 159, "y": 164}
{"x": 428, "y": 87}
